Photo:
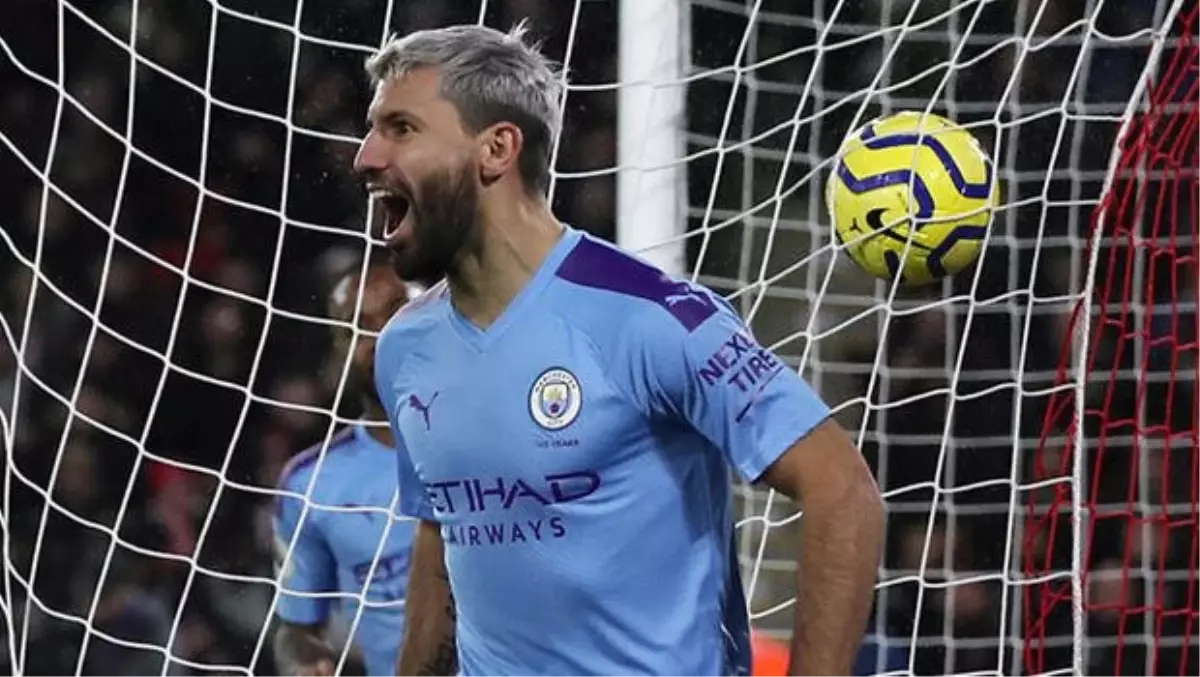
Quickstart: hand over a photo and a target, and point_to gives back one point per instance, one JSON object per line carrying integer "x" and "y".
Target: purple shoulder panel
{"x": 599, "y": 266}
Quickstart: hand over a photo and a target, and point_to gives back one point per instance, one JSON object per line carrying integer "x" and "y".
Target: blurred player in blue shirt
{"x": 570, "y": 413}
{"x": 340, "y": 540}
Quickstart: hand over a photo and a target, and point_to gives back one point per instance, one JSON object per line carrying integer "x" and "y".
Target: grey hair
{"x": 490, "y": 77}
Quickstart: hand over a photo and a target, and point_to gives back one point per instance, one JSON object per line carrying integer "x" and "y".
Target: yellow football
{"x": 911, "y": 197}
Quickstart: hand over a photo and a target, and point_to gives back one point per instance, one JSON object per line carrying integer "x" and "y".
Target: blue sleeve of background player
{"x": 413, "y": 500}
{"x": 311, "y": 567}
{"x": 710, "y": 371}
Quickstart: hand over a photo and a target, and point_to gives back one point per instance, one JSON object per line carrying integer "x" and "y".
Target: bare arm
{"x": 302, "y": 650}
{"x": 430, "y": 647}
{"x": 841, "y": 543}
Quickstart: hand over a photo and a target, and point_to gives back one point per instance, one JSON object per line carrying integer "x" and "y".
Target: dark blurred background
{"x": 171, "y": 225}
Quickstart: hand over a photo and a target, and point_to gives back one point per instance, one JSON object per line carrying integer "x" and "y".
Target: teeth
{"x": 385, "y": 194}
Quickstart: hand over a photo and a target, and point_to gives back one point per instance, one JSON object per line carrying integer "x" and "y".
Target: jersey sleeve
{"x": 712, "y": 372}
{"x": 311, "y": 567}
{"x": 414, "y": 502}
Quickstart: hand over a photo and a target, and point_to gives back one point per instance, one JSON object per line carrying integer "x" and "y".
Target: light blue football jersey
{"x": 338, "y": 540}
{"x": 576, "y": 456}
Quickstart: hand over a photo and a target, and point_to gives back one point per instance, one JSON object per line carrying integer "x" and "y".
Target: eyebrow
{"x": 391, "y": 117}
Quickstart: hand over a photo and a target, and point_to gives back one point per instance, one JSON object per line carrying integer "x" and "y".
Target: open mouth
{"x": 393, "y": 207}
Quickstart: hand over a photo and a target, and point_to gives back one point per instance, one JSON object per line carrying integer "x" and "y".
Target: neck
{"x": 514, "y": 239}
{"x": 373, "y": 411}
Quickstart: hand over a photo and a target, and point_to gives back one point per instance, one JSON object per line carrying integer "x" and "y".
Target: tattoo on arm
{"x": 445, "y": 658}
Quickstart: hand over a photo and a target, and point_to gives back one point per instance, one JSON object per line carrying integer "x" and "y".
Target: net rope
{"x": 1145, "y": 242}
{"x": 945, "y": 389}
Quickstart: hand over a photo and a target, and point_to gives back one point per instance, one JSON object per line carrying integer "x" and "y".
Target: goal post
{"x": 178, "y": 198}
{"x": 652, "y": 173}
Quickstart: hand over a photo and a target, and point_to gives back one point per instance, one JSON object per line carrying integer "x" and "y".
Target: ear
{"x": 499, "y": 150}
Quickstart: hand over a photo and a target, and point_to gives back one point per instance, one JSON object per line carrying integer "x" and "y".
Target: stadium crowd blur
{"x": 179, "y": 462}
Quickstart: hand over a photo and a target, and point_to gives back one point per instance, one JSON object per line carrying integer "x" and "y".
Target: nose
{"x": 370, "y": 157}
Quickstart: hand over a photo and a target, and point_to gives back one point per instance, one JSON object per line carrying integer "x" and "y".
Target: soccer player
{"x": 339, "y": 538}
{"x": 570, "y": 414}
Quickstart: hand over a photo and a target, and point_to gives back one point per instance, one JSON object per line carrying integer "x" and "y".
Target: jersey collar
{"x": 479, "y": 339}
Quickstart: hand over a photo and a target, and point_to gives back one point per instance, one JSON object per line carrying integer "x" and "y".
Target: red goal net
{"x": 1110, "y": 549}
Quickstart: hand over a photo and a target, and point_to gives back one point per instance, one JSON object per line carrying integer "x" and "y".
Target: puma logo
{"x": 672, "y": 299}
{"x": 423, "y": 407}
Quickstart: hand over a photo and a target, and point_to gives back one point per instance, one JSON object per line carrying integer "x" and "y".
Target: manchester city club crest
{"x": 555, "y": 399}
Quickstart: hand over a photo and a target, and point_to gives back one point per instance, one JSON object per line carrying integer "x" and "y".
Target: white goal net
{"x": 177, "y": 196}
